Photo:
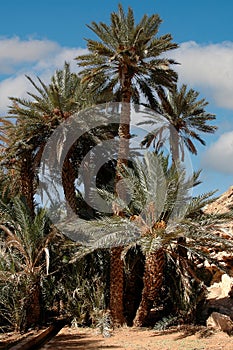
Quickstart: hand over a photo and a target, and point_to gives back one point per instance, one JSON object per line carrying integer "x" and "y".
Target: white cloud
{"x": 34, "y": 58}
{"x": 209, "y": 67}
{"x": 219, "y": 155}
{"x": 14, "y": 51}
{"x": 16, "y": 87}
{"x": 57, "y": 61}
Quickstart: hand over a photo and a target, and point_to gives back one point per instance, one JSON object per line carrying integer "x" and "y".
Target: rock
{"x": 220, "y": 322}
{"x": 222, "y": 205}
{"x": 218, "y": 298}
{"x": 221, "y": 289}
{"x": 224, "y": 230}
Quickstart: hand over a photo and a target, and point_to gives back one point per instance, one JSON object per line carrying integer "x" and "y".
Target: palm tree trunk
{"x": 152, "y": 279}
{"x": 116, "y": 264}
{"x": 27, "y": 180}
{"x": 117, "y": 287}
{"x": 174, "y": 144}
{"x": 33, "y": 305}
{"x": 68, "y": 182}
{"x": 124, "y": 127}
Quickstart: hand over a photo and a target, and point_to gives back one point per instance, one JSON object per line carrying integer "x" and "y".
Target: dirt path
{"x": 140, "y": 339}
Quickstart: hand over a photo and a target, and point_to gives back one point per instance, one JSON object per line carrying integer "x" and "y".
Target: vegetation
{"x": 141, "y": 259}
{"x": 184, "y": 117}
{"x": 126, "y": 59}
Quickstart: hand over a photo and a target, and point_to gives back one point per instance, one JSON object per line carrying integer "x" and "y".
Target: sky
{"x": 37, "y": 37}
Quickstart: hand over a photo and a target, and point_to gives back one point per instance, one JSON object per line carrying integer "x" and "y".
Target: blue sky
{"x": 36, "y": 37}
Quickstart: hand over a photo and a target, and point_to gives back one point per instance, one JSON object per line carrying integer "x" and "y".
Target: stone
{"x": 220, "y": 322}
{"x": 218, "y": 298}
{"x": 221, "y": 289}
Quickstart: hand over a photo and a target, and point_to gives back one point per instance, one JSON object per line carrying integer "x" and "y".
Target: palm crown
{"x": 183, "y": 118}
{"x": 36, "y": 118}
{"x": 127, "y": 54}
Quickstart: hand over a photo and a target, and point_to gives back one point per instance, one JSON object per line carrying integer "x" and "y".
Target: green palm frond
{"x": 184, "y": 116}
{"x": 159, "y": 194}
{"x": 25, "y": 236}
{"x": 135, "y": 46}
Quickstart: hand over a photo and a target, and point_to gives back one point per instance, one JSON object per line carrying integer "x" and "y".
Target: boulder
{"x": 220, "y": 322}
{"x": 221, "y": 289}
{"x": 218, "y": 298}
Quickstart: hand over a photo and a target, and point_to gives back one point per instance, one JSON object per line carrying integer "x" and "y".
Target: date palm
{"x": 9, "y": 176}
{"x": 183, "y": 119}
{"x": 25, "y": 257}
{"x": 163, "y": 220}
{"x": 122, "y": 62}
{"x": 35, "y": 120}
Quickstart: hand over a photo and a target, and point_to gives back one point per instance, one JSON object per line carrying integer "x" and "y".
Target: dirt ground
{"x": 125, "y": 338}
{"x": 141, "y": 339}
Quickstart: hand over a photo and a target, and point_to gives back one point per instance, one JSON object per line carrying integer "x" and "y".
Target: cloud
{"x": 14, "y": 52}
{"x": 34, "y": 58}
{"x": 219, "y": 155}
{"x": 15, "y": 86}
{"x": 208, "y": 67}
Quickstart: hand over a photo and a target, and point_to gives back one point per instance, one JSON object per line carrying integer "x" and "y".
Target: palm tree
{"x": 9, "y": 176}
{"x": 163, "y": 220}
{"x": 183, "y": 118}
{"x": 122, "y": 62}
{"x": 35, "y": 120}
{"x": 26, "y": 257}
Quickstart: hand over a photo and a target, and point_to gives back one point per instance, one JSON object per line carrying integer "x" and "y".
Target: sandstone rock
{"x": 222, "y": 205}
{"x": 220, "y": 322}
{"x": 221, "y": 289}
{"x": 218, "y": 298}
{"x": 225, "y": 230}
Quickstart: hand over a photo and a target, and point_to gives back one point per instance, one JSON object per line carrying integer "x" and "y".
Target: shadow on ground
{"x": 187, "y": 331}
{"x": 79, "y": 341}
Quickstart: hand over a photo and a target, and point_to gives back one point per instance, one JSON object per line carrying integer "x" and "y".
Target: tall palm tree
{"x": 9, "y": 176}
{"x": 183, "y": 118}
{"x": 162, "y": 219}
{"x": 35, "y": 120}
{"x": 124, "y": 59}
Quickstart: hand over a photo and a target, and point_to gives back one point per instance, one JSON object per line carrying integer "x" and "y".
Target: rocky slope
{"x": 221, "y": 205}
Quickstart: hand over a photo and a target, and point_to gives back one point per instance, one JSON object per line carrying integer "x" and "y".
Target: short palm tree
{"x": 122, "y": 62}
{"x": 183, "y": 119}
{"x": 162, "y": 219}
{"x": 25, "y": 258}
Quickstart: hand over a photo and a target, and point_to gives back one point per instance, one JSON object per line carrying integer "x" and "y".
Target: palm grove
{"x": 44, "y": 274}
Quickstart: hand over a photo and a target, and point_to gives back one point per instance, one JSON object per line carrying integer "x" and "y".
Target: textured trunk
{"x": 124, "y": 135}
{"x": 27, "y": 180}
{"x": 68, "y": 182}
{"x": 124, "y": 129}
{"x": 133, "y": 284}
{"x": 174, "y": 144}
{"x": 117, "y": 287}
{"x": 152, "y": 279}
{"x": 33, "y": 306}
{"x": 117, "y": 265}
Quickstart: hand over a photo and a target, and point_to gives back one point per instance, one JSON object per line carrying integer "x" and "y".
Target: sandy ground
{"x": 141, "y": 339}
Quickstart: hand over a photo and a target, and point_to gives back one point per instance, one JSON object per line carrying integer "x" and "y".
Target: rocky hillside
{"x": 220, "y": 291}
{"x": 221, "y": 205}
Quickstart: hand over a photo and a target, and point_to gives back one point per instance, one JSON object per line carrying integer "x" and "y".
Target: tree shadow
{"x": 200, "y": 331}
{"x": 187, "y": 331}
{"x": 79, "y": 341}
